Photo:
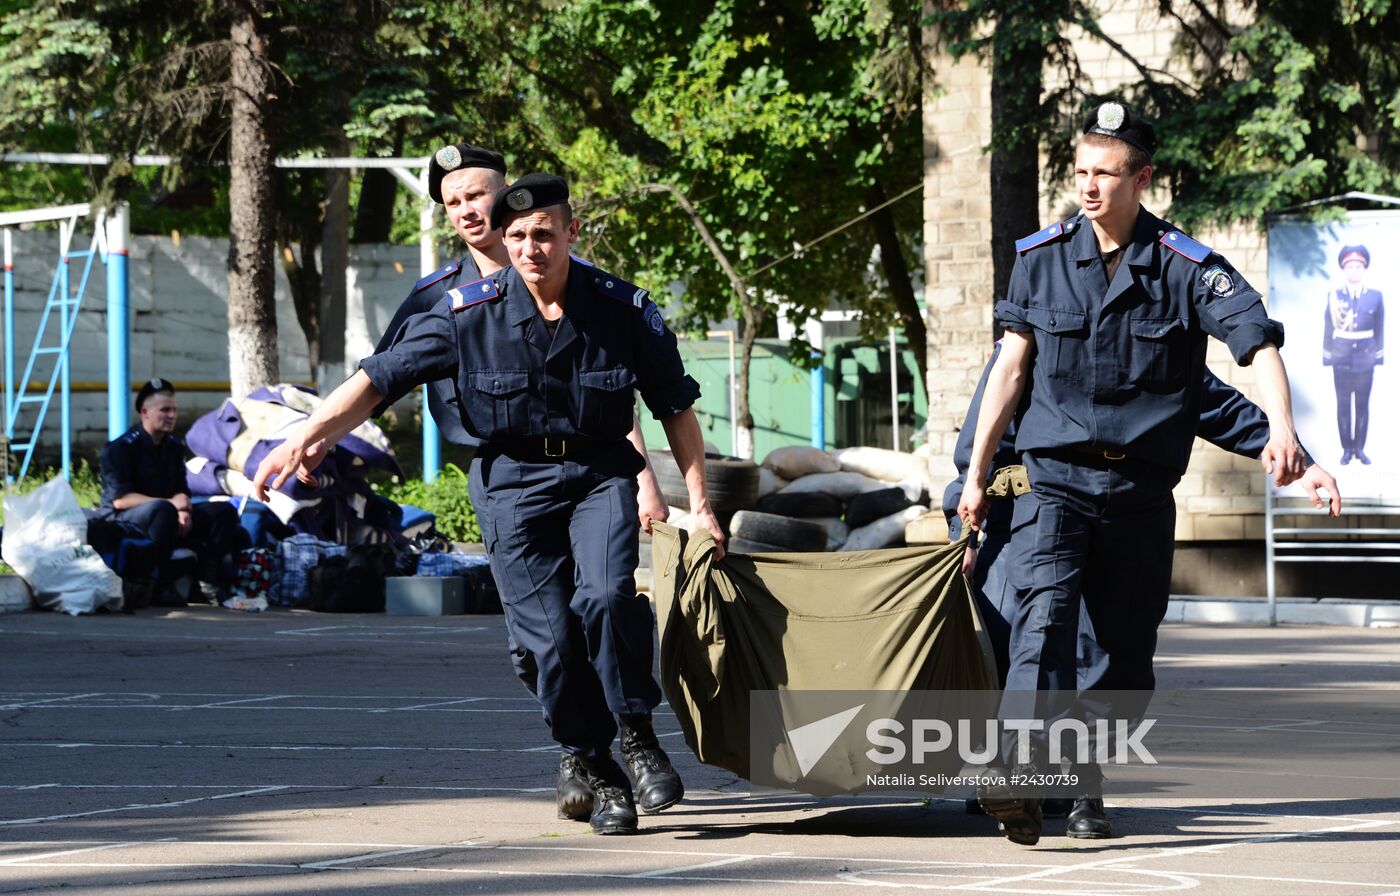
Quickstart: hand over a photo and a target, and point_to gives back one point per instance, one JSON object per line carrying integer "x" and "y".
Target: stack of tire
{"x": 848, "y": 500}
{"x": 730, "y": 482}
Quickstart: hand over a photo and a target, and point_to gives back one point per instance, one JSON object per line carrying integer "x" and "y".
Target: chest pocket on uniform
{"x": 1059, "y": 340}
{"x": 498, "y": 402}
{"x": 1157, "y": 352}
{"x": 605, "y": 402}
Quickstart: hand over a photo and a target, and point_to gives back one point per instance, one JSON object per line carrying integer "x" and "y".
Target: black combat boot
{"x": 613, "y": 810}
{"x": 658, "y": 785}
{"x": 1020, "y": 816}
{"x": 1087, "y": 820}
{"x": 572, "y": 794}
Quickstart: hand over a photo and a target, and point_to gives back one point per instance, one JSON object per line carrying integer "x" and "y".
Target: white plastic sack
{"x": 46, "y": 543}
{"x": 842, "y": 486}
{"x": 884, "y": 464}
{"x": 884, "y": 531}
{"x": 792, "y": 461}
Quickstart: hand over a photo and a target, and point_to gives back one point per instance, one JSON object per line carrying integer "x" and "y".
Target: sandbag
{"x": 842, "y": 486}
{"x": 836, "y": 531}
{"x": 896, "y": 621}
{"x": 800, "y": 504}
{"x": 884, "y": 464}
{"x": 884, "y": 531}
{"x": 792, "y": 461}
{"x": 769, "y": 482}
{"x": 867, "y": 507}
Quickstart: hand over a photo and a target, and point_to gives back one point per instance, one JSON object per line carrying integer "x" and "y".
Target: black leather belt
{"x": 551, "y": 448}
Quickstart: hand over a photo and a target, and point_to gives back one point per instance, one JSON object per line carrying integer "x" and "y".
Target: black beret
{"x": 1113, "y": 119}
{"x": 529, "y": 192}
{"x": 460, "y": 155}
{"x": 1350, "y": 252}
{"x": 150, "y": 388}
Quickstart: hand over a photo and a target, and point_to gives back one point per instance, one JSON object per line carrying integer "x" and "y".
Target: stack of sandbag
{"x": 850, "y": 500}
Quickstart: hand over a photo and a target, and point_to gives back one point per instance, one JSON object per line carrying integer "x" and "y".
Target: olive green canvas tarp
{"x": 899, "y": 619}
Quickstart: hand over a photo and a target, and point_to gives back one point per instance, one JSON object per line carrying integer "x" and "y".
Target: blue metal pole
{"x": 432, "y": 442}
{"x": 118, "y": 323}
{"x": 9, "y": 337}
{"x": 65, "y": 402}
{"x": 819, "y": 402}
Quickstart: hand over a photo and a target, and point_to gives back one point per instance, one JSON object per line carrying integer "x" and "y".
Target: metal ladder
{"x": 52, "y": 339}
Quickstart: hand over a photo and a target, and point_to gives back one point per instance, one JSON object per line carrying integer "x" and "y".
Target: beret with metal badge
{"x": 528, "y": 193}
{"x": 1114, "y": 119}
{"x": 150, "y": 388}
{"x": 454, "y": 156}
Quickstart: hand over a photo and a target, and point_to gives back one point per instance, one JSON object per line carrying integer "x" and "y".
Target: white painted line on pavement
{"x": 139, "y": 806}
{"x": 369, "y": 856}
{"x": 50, "y": 700}
{"x": 717, "y": 863}
{"x": 72, "y": 852}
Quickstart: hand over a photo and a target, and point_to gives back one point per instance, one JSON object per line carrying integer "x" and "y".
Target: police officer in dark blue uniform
{"x": 546, "y": 356}
{"x": 144, "y": 490}
{"x": 1228, "y": 420}
{"x": 1353, "y": 345}
{"x": 1106, "y": 316}
{"x": 465, "y": 179}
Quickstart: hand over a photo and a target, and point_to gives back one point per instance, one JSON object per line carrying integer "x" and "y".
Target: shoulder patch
{"x": 1183, "y": 245}
{"x": 483, "y": 290}
{"x": 1043, "y": 236}
{"x": 652, "y": 315}
{"x": 619, "y": 289}
{"x": 437, "y": 275}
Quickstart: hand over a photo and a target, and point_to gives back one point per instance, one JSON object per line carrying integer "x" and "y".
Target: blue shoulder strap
{"x": 1182, "y": 244}
{"x": 483, "y": 290}
{"x": 619, "y": 289}
{"x": 1041, "y": 237}
{"x": 437, "y": 275}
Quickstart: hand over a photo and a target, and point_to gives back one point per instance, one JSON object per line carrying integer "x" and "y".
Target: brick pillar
{"x": 957, "y": 238}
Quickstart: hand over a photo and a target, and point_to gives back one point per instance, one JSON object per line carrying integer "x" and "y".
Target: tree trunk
{"x": 743, "y": 426}
{"x": 252, "y": 314}
{"x": 335, "y": 259}
{"x": 897, "y": 276}
{"x": 374, "y": 214}
{"x": 1017, "y": 81}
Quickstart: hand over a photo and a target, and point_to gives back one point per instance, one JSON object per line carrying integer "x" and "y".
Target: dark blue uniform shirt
{"x": 427, "y": 292}
{"x": 133, "y": 463}
{"x": 1228, "y": 420}
{"x": 514, "y": 381}
{"x": 1120, "y": 367}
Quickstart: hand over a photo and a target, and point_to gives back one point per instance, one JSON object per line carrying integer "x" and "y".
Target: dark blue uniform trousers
{"x": 213, "y": 534}
{"x": 1097, "y": 531}
{"x": 562, "y": 538}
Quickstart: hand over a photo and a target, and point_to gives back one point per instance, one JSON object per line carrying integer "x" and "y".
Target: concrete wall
{"x": 1221, "y": 496}
{"x": 179, "y": 313}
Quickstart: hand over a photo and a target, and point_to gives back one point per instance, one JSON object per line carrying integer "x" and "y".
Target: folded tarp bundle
{"x": 900, "y": 619}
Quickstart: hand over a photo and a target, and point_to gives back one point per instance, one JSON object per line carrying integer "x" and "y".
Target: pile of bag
{"x": 806, "y": 499}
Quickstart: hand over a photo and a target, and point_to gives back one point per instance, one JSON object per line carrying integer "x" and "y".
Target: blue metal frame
{"x": 68, "y": 303}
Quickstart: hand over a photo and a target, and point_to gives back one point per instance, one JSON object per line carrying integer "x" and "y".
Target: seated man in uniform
{"x": 143, "y": 489}
{"x": 546, "y": 357}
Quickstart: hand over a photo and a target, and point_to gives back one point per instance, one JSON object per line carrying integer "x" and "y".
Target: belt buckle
{"x": 1113, "y": 455}
{"x": 563, "y": 447}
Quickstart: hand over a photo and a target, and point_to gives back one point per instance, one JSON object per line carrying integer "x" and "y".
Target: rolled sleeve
{"x": 424, "y": 350}
{"x": 1239, "y": 319}
{"x": 1011, "y": 311}
{"x": 666, "y": 388}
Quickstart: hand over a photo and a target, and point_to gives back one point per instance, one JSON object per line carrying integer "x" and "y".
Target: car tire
{"x": 785, "y": 532}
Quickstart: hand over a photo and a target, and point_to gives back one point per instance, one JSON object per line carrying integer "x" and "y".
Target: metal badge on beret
{"x": 448, "y": 158}
{"x": 1112, "y": 116}
{"x": 520, "y": 199}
